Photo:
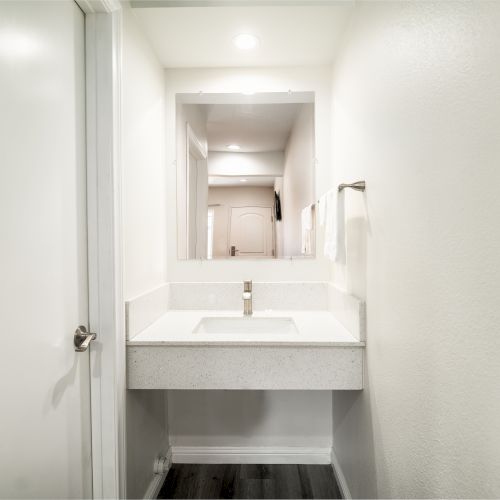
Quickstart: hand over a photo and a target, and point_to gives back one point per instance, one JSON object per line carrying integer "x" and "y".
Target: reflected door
{"x": 192, "y": 209}
{"x": 251, "y": 232}
{"x": 197, "y": 207}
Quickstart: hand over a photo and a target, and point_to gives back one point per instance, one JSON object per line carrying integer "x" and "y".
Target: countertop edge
{"x": 235, "y": 343}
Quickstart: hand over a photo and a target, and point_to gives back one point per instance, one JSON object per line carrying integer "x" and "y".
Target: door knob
{"x": 82, "y": 339}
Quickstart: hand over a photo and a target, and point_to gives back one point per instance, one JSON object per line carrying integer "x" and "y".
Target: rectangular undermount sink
{"x": 246, "y": 325}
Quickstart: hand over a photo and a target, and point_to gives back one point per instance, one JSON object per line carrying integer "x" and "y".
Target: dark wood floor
{"x": 250, "y": 481}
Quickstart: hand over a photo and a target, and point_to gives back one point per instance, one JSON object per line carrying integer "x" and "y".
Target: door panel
{"x": 45, "y": 432}
{"x": 192, "y": 206}
{"x": 201, "y": 209}
{"x": 197, "y": 207}
{"x": 251, "y": 231}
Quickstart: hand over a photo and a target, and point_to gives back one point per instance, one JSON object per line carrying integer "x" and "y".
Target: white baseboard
{"x": 158, "y": 477}
{"x": 249, "y": 455}
{"x": 154, "y": 486}
{"x": 339, "y": 476}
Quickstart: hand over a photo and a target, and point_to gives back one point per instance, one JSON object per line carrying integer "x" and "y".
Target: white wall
{"x": 298, "y": 180}
{"x": 143, "y": 160}
{"x": 416, "y": 101}
{"x": 316, "y": 79}
{"x": 269, "y": 163}
{"x": 228, "y": 197}
{"x": 147, "y": 437}
{"x": 144, "y": 223}
{"x": 250, "y": 418}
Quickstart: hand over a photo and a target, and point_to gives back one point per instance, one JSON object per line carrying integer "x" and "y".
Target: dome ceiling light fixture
{"x": 245, "y": 41}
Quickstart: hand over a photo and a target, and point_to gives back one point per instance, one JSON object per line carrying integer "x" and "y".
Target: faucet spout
{"x": 247, "y": 298}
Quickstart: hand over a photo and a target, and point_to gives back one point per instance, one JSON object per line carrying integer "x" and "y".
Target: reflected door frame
{"x": 195, "y": 149}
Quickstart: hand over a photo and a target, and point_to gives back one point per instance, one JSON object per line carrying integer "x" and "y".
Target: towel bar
{"x": 358, "y": 186}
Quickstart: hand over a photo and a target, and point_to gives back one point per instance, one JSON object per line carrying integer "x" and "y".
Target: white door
{"x": 45, "y": 408}
{"x": 197, "y": 207}
{"x": 201, "y": 209}
{"x": 192, "y": 210}
{"x": 251, "y": 232}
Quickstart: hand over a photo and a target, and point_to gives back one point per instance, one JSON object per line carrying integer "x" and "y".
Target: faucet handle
{"x": 247, "y": 285}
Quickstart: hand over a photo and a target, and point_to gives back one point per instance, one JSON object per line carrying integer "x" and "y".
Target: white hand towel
{"x": 340, "y": 256}
{"x": 330, "y": 237}
{"x": 335, "y": 227}
{"x": 307, "y": 226}
{"x": 322, "y": 204}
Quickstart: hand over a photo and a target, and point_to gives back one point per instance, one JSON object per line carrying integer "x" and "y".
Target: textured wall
{"x": 416, "y": 103}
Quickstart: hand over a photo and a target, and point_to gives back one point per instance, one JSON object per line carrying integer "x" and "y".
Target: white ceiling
{"x": 237, "y": 181}
{"x": 202, "y": 36}
{"x": 254, "y": 127}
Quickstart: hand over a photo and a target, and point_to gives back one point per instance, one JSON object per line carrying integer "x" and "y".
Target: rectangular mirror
{"x": 245, "y": 175}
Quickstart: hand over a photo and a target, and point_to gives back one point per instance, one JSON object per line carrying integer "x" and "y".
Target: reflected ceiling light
{"x": 245, "y": 41}
{"x": 243, "y": 180}
{"x": 233, "y": 147}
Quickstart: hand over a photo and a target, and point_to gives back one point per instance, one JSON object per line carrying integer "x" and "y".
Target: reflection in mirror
{"x": 245, "y": 176}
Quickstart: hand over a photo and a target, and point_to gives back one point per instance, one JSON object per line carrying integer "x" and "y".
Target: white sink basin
{"x": 246, "y": 325}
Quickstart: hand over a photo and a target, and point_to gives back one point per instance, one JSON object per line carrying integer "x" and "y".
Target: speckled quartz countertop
{"x": 315, "y": 329}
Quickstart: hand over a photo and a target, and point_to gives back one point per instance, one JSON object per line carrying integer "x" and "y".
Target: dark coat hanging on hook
{"x": 277, "y": 206}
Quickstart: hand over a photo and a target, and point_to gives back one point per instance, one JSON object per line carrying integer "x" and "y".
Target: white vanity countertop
{"x": 315, "y": 328}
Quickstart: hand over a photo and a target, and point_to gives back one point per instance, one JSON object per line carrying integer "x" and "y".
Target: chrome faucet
{"x": 247, "y": 298}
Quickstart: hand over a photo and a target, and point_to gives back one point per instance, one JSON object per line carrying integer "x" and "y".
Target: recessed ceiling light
{"x": 233, "y": 147}
{"x": 243, "y": 180}
{"x": 245, "y": 41}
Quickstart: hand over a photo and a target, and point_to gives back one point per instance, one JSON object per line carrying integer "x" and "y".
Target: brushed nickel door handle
{"x": 82, "y": 339}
